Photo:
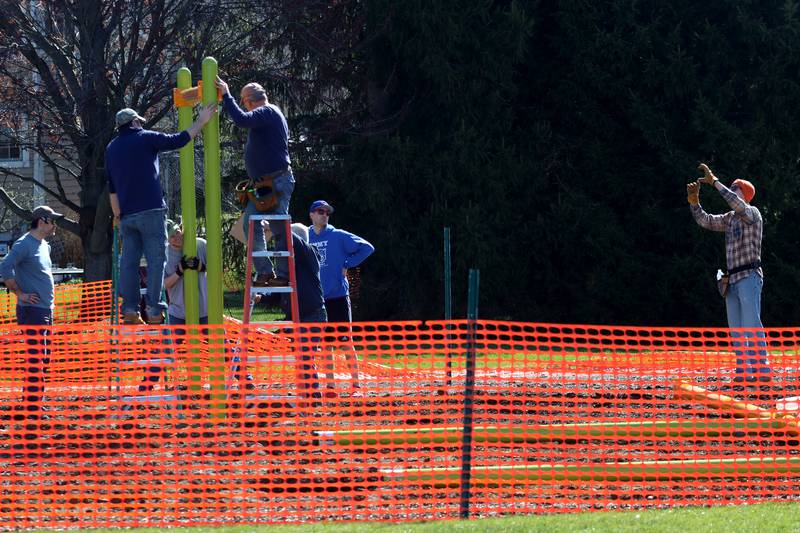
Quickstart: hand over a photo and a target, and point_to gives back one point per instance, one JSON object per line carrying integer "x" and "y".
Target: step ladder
{"x": 240, "y": 364}
{"x": 251, "y": 291}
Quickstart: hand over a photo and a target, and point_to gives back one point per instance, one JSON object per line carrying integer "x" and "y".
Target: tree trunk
{"x": 95, "y": 222}
{"x": 96, "y": 267}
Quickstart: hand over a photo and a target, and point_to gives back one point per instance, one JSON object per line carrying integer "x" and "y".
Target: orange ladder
{"x": 251, "y": 291}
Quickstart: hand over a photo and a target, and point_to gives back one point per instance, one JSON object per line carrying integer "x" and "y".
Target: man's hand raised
{"x": 693, "y": 193}
{"x": 708, "y": 177}
{"x": 222, "y": 86}
{"x": 206, "y": 112}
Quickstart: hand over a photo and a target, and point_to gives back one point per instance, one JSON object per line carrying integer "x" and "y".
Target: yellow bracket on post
{"x": 192, "y": 96}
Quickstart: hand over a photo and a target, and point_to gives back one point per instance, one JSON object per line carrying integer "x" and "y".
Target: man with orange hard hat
{"x": 741, "y": 284}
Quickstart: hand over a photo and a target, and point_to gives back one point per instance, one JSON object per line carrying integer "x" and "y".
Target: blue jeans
{"x": 38, "y": 359}
{"x": 283, "y": 186}
{"x": 145, "y": 233}
{"x": 743, "y": 304}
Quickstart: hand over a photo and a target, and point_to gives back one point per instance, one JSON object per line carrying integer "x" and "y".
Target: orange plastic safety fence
{"x": 397, "y": 421}
{"x": 74, "y": 303}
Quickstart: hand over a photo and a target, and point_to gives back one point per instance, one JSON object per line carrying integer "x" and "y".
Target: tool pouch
{"x": 263, "y": 195}
{"x": 241, "y": 192}
{"x": 722, "y": 283}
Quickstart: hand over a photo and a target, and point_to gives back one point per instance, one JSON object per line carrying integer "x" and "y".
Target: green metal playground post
{"x": 191, "y": 295}
{"x": 213, "y": 195}
{"x": 213, "y": 231}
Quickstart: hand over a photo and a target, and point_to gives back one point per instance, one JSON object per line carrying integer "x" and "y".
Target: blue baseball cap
{"x": 320, "y": 204}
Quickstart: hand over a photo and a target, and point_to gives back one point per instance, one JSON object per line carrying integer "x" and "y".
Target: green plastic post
{"x": 191, "y": 295}
{"x": 213, "y": 196}
{"x": 214, "y": 234}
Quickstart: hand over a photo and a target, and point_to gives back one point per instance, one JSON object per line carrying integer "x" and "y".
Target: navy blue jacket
{"x": 267, "y": 148}
{"x": 132, "y": 167}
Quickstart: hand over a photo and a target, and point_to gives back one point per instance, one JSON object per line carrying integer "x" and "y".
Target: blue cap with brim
{"x": 321, "y": 204}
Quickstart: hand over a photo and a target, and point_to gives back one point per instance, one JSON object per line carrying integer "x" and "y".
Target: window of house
{"x": 11, "y": 151}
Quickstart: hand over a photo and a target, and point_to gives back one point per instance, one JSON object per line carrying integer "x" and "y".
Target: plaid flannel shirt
{"x": 743, "y": 228}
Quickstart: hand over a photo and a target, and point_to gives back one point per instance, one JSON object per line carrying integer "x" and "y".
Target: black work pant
{"x": 37, "y": 355}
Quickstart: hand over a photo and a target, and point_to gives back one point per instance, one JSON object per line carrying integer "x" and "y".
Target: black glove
{"x": 193, "y": 263}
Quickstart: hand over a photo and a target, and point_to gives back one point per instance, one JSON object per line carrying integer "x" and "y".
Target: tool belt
{"x": 261, "y": 192}
{"x": 723, "y": 277}
{"x": 742, "y": 268}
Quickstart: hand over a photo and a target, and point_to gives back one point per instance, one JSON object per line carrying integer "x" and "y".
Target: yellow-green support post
{"x": 213, "y": 196}
{"x": 191, "y": 295}
{"x": 214, "y": 234}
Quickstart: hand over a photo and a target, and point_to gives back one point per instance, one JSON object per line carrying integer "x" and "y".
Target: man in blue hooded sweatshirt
{"x": 338, "y": 250}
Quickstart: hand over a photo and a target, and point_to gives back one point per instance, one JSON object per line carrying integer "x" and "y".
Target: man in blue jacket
{"x": 266, "y": 158}
{"x": 338, "y": 250}
{"x": 139, "y": 208}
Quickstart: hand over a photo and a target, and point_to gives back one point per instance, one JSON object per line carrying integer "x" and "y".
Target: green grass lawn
{"x": 760, "y": 518}
{"x": 492, "y": 361}
{"x": 232, "y": 303}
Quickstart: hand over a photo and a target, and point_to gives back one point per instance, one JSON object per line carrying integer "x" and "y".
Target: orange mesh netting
{"x": 155, "y": 426}
{"x": 75, "y": 302}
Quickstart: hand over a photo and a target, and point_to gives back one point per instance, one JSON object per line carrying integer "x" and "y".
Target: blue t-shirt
{"x": 132, "y": 167}
{"x": 267, "y": 148}
{"x": 337, "y": 249}
{"x": 28, "y": 263}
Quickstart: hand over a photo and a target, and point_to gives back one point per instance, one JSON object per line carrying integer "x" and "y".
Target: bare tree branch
{"x": 26, "y": 179}
{"x": 26, "y": 214}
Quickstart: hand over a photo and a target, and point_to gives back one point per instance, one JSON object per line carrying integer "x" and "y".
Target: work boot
{"x": 278, "y": 282}
{"x": 262, "y": 280}
{"x": 132, "y": 319}
{"x": 156, "y": 319}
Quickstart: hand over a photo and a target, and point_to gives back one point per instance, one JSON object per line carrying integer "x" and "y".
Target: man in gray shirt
{"x": 28, "y": 272}
{"x": 173, "y": 282}
{"x": 173, "y": 275}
